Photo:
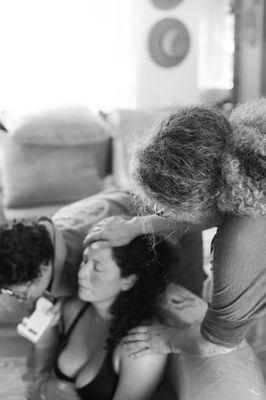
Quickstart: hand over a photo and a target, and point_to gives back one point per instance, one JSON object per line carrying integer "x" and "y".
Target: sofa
{"x": 57, "y": 156}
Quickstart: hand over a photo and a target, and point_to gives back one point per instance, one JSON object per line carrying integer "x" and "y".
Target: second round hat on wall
{"x": 166, "y": 4}
{"x": 168, "y": 42}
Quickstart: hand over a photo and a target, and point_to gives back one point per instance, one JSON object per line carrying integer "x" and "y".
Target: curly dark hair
{"x": 150, "y": 259}
{"x": 200, "y": 163}
{"x": 25, "y": 247}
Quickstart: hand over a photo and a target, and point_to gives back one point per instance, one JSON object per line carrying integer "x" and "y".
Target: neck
{"x": 102, "y": 309}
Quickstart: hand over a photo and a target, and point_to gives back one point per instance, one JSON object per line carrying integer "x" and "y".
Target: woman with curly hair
{"x": 119, "y": 288}
{"x": 205, "y": 169}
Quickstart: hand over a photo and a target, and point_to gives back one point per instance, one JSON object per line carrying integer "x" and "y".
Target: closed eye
{"x": 98, "y": 267}
{"x": 85, "y": 259}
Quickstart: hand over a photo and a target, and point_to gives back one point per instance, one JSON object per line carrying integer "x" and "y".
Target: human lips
{"x": 84, "y": 287}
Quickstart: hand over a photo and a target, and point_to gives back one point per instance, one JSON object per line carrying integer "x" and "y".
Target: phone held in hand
{"x": 34, "y": 326}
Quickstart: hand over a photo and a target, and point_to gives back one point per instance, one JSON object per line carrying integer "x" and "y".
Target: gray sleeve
{"x": 238, "y": 296}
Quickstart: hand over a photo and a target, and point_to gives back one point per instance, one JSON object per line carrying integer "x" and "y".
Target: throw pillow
{"x": 54, "y": 156}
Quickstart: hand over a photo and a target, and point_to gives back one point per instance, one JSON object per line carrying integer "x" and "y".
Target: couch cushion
{"x": 30, "y": 213}
{"x": 63, "y": 127}
{"x": 56, "y": 156}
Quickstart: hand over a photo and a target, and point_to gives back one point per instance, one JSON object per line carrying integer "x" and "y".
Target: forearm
{"x": 146, "y": 224}
{"x": 190, "y": 340}
{"x": 44, "y": 352}
{"x": 155, "y": 224}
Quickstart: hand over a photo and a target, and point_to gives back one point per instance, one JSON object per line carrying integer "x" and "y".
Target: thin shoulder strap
{"x": 75, "y": 321}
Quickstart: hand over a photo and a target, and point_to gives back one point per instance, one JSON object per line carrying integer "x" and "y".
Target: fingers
{"x": 135, "y": 346}
{"x": 183, "y": 303}
{"x": 139, "y": 329}
{"x": 135, "y": 337}
{"x": 175, "y": 290}
{"x": 141, "y": 353}
{"x": 55, "y": 320}
{"x": 55, "y": 309}
{"x": 103, "y": 244}
{"x": 93, "y": 236}
{"x": 96, "y": 240}
{"x": 55, "y": 312}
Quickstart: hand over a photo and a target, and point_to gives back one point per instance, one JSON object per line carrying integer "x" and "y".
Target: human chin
{"x": 85, "y": 293}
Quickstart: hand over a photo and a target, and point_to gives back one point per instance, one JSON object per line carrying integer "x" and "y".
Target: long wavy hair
{"x": 25, "y": 249}
{"x": 198, "y": 163}
{"x": 150, "y": 260}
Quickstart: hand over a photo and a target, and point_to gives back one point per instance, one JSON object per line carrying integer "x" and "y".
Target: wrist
{"x": 140, "y": 225}
{"x": 190, "y": 340}
{"x": 208, "y": 349}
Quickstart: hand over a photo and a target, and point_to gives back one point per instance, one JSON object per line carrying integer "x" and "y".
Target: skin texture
{"x": 181, "y": 314}
{"x": 106, "y": 278}
{"x": 201, "y": 166}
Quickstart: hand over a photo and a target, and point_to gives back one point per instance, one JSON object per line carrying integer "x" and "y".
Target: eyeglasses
{"x": 17, "y": 295}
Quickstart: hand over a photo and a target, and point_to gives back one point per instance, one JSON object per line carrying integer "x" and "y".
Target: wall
{"x": 250, "y": 59}
{"x": 158, "y": 86}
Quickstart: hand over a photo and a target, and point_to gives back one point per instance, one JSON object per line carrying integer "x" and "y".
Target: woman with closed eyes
{"x": 119, "y": 289}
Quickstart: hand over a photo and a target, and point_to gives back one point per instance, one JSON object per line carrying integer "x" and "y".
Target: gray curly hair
{"x": 199, "y": 163}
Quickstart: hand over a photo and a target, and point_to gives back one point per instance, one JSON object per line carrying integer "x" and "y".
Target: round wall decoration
{"x": 169, "y": 42}
{"x": 166, "y": 4}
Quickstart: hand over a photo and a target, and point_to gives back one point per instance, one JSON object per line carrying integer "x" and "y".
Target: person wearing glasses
{"x": 118, "y": 288}
{"x": 205, "y": 169}
{"x": 44, "y": 255}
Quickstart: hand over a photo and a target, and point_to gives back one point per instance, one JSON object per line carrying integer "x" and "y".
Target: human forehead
{"x": 101, "y": 255}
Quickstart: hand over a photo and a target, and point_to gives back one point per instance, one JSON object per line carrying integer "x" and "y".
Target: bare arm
{"x": 42, "y": 356}
{"x": 44, "y": 351}
{"x": 119, "y": 230}
{"x": 182, "y": 313}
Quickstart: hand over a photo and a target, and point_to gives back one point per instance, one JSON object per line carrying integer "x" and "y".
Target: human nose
{"x": 84, "y": 271}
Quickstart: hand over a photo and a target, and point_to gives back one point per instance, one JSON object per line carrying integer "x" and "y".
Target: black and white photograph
{"x": 132, "y": 203}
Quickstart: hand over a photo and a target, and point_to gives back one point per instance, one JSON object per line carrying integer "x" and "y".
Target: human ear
{"x": 128, "y": 282}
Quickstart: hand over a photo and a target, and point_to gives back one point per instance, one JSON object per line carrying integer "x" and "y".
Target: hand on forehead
{"x": 98, "y": 254}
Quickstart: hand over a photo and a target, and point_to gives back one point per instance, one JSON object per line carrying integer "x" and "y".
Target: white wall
{"x": 250, "y": 50}
{"x": 57, "y": 52}
{"x": 158, "y": 86}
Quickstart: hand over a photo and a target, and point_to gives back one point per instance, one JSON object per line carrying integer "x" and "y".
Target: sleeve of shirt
{"x": 238, "y": 295}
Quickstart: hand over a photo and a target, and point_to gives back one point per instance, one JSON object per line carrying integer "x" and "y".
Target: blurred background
{"x": 106, "y": 53}
{"x": 110, "y": 65}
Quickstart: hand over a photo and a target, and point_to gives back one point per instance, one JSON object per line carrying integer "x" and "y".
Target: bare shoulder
{"x": 121, "y": 360}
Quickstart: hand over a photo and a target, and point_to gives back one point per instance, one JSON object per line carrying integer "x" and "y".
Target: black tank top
{"x": 104, "y": 385}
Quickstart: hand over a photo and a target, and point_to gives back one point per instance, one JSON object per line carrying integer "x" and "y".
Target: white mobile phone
{"x": 33, "y": 327}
